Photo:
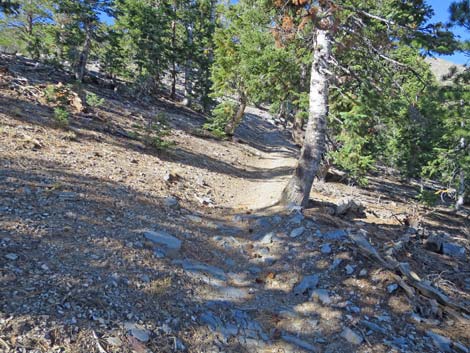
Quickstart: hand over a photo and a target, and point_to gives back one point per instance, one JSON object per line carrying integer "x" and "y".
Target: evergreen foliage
{"x": 385, "y": 106}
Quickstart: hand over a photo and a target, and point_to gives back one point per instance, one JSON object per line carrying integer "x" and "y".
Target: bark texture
{"x": 83, "y": 57}
{"x": 298, "y": 188}
{"x": 188, "y": 87}
{"x": 237, "y": 118}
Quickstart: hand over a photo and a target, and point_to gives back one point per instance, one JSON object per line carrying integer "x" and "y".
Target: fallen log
{"x": 406, "y": 277}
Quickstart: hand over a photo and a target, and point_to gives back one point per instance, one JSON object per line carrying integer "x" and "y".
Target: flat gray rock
{"x": 325, "y": 249}
{"x": 351, "y": 336}
{"x": 297, "y": 232}
{"x": 453, "y": 249}
{"x": 11, "y": 256}
{"x": 163, "y": 238}
{"x": 267, "y": 238}
{"x": 322, "y": 296}
{"x": 307, "y": 284}
{"x": 299, "y": 342}
{"x": 193, "y": 266}
{"x": 137, "y": 331}
{"x": 441, "y": 342}
{"x": 334, "y": 234}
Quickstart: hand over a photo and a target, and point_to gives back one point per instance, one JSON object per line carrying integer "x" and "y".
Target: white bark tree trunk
{"x": 297, "y": 191}
{"x": 188, "y": 87}
{"x": 83, "y": 58}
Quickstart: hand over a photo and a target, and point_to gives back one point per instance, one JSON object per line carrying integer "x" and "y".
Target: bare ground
{"x": 78, "y": 275}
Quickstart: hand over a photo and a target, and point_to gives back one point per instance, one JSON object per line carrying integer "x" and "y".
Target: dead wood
{"x": 407, "y": 276}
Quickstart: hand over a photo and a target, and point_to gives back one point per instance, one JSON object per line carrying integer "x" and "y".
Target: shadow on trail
{"x": 83, "y": 264}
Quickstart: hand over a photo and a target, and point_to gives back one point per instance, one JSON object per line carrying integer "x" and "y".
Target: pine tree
{"x": 248, "y": 68}
{"x": 372, "y": 29}
{"x": 78, "y": 30}
{"x": 144, "y": 28}
{"x": 27, "y": 25}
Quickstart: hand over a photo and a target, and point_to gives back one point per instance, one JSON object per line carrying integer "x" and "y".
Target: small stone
{"x": 159, "y": 253}
{"x": 254, "y": 270}
{"x": 354, "y": 309}
{"x": 141, "y": 335}
{"x": 163, "y": 238}
{"x": 348, "y": 205}
{"x": 297, "y": 232}
{"x": 267, "y": 238}
{"x": 363, "y": 272}
{"x": 307, "y": 284}
{"x": 45, "y": 267}
{"x": 114, "y": 341}
{"x": 351, "y": 336}
{"x": 441, "y": 342}
{"x": 373, "y": 327}
{"x": 300, "y": 343}
{"x": 136, "y": 331}
{"x": 171, "y": 202}
{"x": 11, "y": 256}
{"x": 459, "y": 347}
{"x": 325, "y": 249}
{"x": 296, "y": 219}
{"x": 349, "y": 269}
{"x": 453, "y": 249}
{"x": 322, "y": 296}
{"x": 334, "y": 234}
{"x": 336, "y": 263}
{"x": 392, "y": 287}
{"x": 145, "y": 278}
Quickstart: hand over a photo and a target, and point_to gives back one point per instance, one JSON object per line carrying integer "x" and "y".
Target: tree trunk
{"x": 297, "y": 191}
{"x": 237, "y": 118}
{"x": 188, "y": 87}
{"x": 298, "y": 134}
{"x": 173, "y": 68}
{"x": 83, "y": 58}
{"x": 461, "y": 191}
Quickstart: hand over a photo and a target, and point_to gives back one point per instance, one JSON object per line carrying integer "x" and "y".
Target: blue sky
{"x": 441, "y": 13}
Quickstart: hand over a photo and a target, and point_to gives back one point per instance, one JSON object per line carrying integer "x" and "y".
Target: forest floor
{"x": 108, "y": 245}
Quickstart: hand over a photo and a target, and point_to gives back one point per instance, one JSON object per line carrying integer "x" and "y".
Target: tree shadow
{"x": 83, "y": 266}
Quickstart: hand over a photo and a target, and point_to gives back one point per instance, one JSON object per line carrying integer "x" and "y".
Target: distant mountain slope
{"x": 442, "y": 67}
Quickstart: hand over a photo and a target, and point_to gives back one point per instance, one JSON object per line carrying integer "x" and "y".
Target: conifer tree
{"x": 371, "y": 29}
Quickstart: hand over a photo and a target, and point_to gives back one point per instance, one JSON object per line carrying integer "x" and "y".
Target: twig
{"x": 98, "y": 344}
{"x": 4, "y": 344}
{"x": 411, "y": 277}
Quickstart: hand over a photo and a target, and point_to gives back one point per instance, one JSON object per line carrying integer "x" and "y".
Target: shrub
{"x": 220, "y": 117}
{"x": 93, "y": 100}
{"x": 61, "y": 116}
{"x": 155, "y": 132}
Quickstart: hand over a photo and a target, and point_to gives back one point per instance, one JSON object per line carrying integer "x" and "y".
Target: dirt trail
{"x": 273, "y": 152}
{"x": 101, "y": 251}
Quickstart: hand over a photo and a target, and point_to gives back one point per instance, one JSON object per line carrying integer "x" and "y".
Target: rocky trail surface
{"x": 108, "y": 245}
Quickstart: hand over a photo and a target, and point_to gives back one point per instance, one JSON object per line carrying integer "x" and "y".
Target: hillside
{"x": 110, "y": 245}
{"x": 441, "y": 68}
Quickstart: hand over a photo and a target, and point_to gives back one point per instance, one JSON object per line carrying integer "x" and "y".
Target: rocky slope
{"x": 108, "y": 245}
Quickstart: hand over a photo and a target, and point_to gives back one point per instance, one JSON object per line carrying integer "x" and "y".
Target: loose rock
{"x": 297, "y": 232}
{"x": 11, "y": 256}
{"x": 325, "y": 249}
{"x": 351, "y": 336}
{"x": 322, "y": 296}
{"x": 163, "y": 238}
{"x": 307, "y": 284}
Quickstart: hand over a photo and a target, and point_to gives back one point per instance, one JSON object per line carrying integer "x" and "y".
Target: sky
{"x": 441, "y": 14}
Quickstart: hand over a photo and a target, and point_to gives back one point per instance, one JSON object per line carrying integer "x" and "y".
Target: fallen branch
{"x": 406, "y": 274}
{"x": 98, "y": 344}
